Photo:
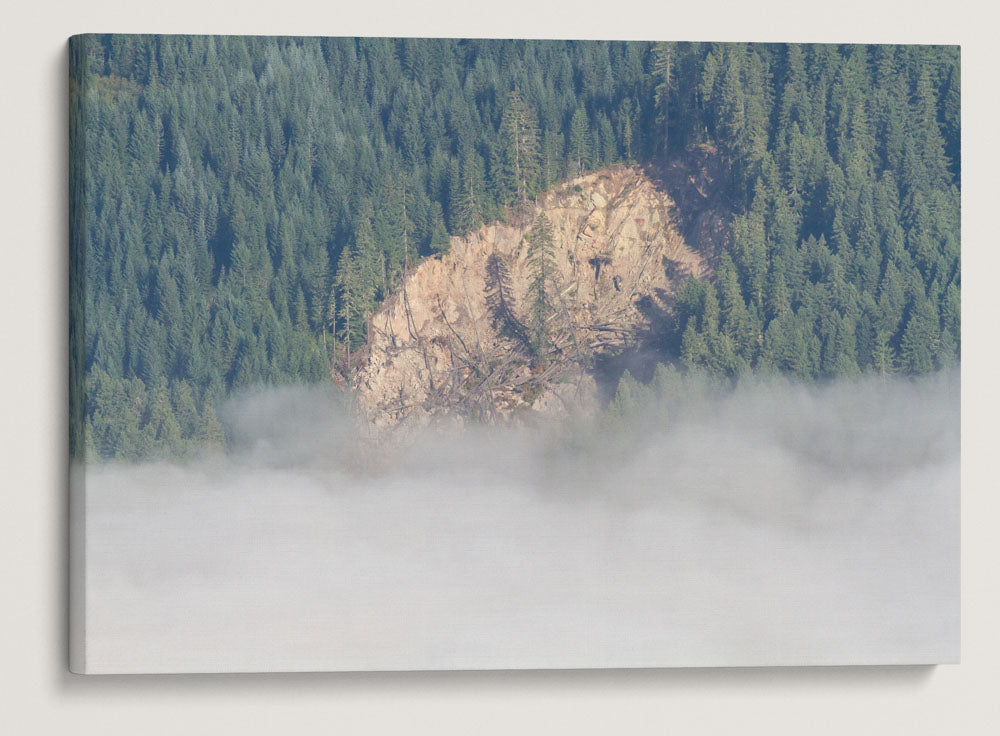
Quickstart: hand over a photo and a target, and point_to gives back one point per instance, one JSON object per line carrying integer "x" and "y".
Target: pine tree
{"x": 464, "y": 207}
{"x": 883, "y": 356}
{"x": 300, "y": 312}
{"x": 519, "y": 131}
{"x": 841, "y": 357}
{"x": 926, "y": 131}
{"x": 211, "y": 435}
{"x": 369, "y": 264}
{"x": 185, "y": 409}
{"x": 919, "y": 344}
{"x": 662, "y": 56}
{"x": 694, "y": 348}
{"x": 330, "y": 320}
{"x": 350, "y": 303}
{"x": 394, "y": 227}
{"x": 250, "y": 274}
{"x": 952, "y": 120}
{"x": 439, "y": 241}
{"x": 579, "y": 139}
{"x": 466, "y": 193}
{"x": 628, "y": 399}
{"x": 778, "y": 302}
{"x": 161, "y": 425}
{"x": 542, "y": 286}
{"x": 626, "y": 127}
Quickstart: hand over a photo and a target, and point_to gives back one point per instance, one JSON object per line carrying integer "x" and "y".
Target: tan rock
{"x": 433, "y": 348}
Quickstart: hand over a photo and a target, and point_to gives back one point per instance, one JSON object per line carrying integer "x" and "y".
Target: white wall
{"x": 37, "y": 695}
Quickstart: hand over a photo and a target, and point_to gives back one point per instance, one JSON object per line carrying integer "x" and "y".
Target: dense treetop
{"x": 240, "y": 205}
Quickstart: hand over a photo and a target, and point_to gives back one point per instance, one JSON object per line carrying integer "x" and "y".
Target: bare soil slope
{"x": 435, "y": 348}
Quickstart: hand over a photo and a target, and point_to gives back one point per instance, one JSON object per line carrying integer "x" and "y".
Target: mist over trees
{"x": 241, "y": 205}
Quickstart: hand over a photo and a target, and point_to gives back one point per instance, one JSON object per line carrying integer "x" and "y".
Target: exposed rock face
{"x": 436, "y": 348}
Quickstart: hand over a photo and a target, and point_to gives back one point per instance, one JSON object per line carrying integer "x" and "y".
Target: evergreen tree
{"x": 394, "y": 228}
{"x": 663, "y": 53}
{"x": 439, "y": 242}
{"x": 920, "y": 337}
{"x": 579, "y": 140}
{"x": 542, "y": 286}
{"x": 350, "y": 302}
{"x": 520, "y": 135}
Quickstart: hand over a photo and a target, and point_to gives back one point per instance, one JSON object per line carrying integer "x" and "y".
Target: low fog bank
{"x": 774, "y": 524}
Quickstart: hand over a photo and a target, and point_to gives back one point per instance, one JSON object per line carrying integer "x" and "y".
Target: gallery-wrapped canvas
{"x": 396, "y": 353}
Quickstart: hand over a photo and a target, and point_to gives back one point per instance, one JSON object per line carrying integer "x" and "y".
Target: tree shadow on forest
{"x": 657, "y": 343}
{"x": 698, "y": 184}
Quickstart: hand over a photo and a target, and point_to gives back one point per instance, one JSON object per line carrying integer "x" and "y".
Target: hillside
{"x": 622, "y": 245}
{"x": 243, "y": 207}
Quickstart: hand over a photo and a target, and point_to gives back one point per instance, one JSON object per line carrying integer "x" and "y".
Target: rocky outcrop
{"x": 437, "y": 348}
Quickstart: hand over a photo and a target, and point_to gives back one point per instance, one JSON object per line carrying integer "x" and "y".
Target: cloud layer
{"x": 776, "y": 524}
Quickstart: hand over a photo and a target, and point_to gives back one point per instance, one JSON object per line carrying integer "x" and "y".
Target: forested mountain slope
{"x": 240, "y": 206}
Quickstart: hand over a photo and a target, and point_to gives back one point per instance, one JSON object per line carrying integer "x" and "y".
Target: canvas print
{"x": 401, "y": 353}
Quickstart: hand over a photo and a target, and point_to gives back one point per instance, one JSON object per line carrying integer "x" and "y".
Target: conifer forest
{"x": 240, "y": 207}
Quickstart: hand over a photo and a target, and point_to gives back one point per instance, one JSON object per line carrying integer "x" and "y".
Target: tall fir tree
{"x": 520, "y": 134}
{"x": 542, "y": 285}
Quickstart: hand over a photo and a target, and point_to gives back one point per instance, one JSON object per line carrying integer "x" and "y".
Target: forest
{"x": 240, "y": 206}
